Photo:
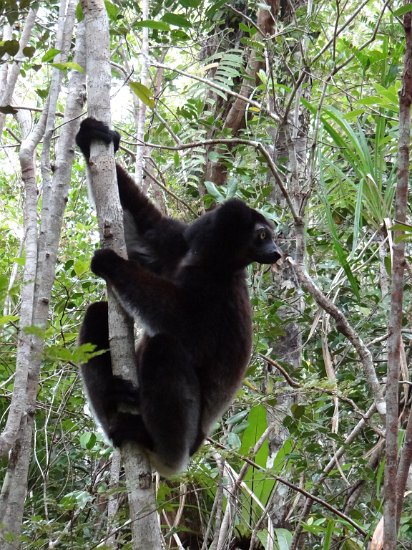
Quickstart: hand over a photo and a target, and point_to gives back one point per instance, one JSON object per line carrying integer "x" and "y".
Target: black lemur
{"x": 186, "y": 285}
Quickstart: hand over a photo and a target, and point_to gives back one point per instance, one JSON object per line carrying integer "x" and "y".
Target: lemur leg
{"x": 108, "y": 395}
{"x": 170, "y": 402}
{"x": 97, "y": 372}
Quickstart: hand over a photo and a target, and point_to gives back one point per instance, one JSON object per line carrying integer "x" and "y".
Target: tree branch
{"x": 344, "y": 328}
{"x": 238, "y": 141}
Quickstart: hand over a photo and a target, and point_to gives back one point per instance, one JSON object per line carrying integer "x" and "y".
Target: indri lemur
{"x": 186, "y": 285}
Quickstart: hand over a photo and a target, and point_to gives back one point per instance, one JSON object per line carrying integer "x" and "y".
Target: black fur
{"x": 186, "y": 285}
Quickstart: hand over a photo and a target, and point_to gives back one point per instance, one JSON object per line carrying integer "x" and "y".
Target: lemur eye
{"x": 262, "y": 235}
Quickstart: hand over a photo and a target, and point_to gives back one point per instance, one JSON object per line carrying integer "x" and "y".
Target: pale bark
{"x": 141, "y": 107}
{"x": 142, "y": 505}
{"x": 4, "y": 67}
{"x": 28, "y": 367}
{"x": 13, "y": 73}
{"x": 64, "y": 33}
{"x": 113, "y": 502}
{"x": 29, "y": 144}
{"x": 25, "y": 340}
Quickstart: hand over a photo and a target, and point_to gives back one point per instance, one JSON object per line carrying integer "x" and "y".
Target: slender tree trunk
{"x": 30, "y": 350}
{"x": 142, "y": 504}
{"x": 13, "y": 73}
{"x": 236, "y": 116}
{"x": 140, "y": 107}
{"x": 394, "y": 494}
{"x": 25, "y": 341}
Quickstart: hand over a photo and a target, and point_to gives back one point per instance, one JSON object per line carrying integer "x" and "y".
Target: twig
{"x": 289, "y": 380}
{"x": 296, "y": 488}
{"x": 33, "y": 109}
{"x": 344, "y": 328}
{"x": 166, "y": 189}
{"x": 331, "y": 464}
{"x": 244, "y": 16}
{"x": 212, "y": 84}
{"x": 238, "y": 141}
{"x": 295, "y": 384}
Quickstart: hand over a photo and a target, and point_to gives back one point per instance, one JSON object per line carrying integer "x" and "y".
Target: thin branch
{"x": 165, "y": 188}
{"x": 338, "y": 32}
{"x": 243, "y": 16}
{"x": 238, "y": 141}
{"x": 345, "y": 328}
{"x": 33, "y": 109}
{"x": 295, "y": 384}
{"x": 294, "y": 487}
{"x": 212, "y": 84}
{"x": 331, "y": 464}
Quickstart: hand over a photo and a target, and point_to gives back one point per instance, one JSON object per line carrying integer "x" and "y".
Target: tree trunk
{"x": 142, "y": 504}
{"x": 13, "y": 73}
{"x": 394, "y": 492}
{"x": 42, "y": 270}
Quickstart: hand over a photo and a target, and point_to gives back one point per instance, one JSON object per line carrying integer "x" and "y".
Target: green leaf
{"x": 11, "y": 47}
{"x": 29, "y": 51}
{"x": 257, "y": 425}
{"x": 402, "y": 10}
{"x": 79, "y": 12}
{"x": 190, "y": 3}
{"x": 70, "y": 65}
{"x": 75, "y": 499}
{"x": 402, "y": 227}
{"x": 249, "y": 30}
{"x": 88, "y": 440}
{"x": 210, "y": 12}
{"x": 50, "y": 55}
{"x": 80, "y": 354}
{"x": 5, "y": 319}
{"x": 152, "y": 24}
{"x": 214, "y": 191}
{"x": 81, "y": 266}
{"x": 176, "y": 19}
{"x": 340, "y": 252}
{"x": 258, "y": 480}
{"x": 112, "y": 10}
{"x": 233, "y": 441}
{"x": 143, "y": 93}
{"x": 350, "y": 544}
{"x": 327, "y": 541}
{"x": 238, "y": 417}
{"x": 284, "y": 538}
{"x": 282, "y": 455}
{"x": 35, "y": 331}
{"x": 11, "y": 10}
{"x": 232, "y": 188}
